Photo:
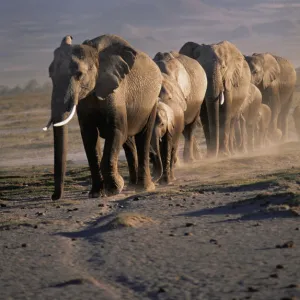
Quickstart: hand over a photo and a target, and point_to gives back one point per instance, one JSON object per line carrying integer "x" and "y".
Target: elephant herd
{"x": 144, "y": 105}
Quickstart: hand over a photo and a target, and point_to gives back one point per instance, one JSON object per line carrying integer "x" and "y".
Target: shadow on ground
{"x": 263, "y": 206}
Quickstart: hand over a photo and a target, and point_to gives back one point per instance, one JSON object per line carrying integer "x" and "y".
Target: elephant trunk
{"x": 213, "y": 120}
{"x": 157, "y": 162}
{"x": 61, "y": 113}
{"x": 60, "y": 135}
{"x": 64, "y": 101}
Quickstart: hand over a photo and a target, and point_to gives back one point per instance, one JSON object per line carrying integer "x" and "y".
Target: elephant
{"x": 296, "y": 117}
{"x": 263, "y": 123}
{"x": 114, "y": 89}
{"x": 229, "y": 77}
{"x": 276, "y": 79}
{"x": 192, "y": 80}
{"x": 248, "y": 119}
{"x": 169, "y": 125}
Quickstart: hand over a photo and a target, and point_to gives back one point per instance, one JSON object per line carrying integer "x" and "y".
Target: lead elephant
{"x": 169, "y": 125}
{"x": 114, "y": 89}
{"x": 276, "y": 79}
{"x": 229, "y": 78}
{"x": 192, "y": 81}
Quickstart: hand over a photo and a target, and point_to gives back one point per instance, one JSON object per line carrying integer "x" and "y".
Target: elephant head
{"x": 223, "y": 64}
{"x": 264, "y": 68}
{"x": 77, "y": 71}
{"x": 164, "y": 124}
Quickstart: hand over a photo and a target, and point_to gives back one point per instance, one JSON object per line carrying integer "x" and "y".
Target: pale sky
{"x": 30, "y": 30}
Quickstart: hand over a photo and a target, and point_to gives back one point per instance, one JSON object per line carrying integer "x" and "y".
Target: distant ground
{"x": 226, "y": 229}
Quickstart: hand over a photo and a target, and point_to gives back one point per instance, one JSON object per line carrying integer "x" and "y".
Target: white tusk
{"x": 222, "y": 99}
{"x": 68, "y": 119}
{"x": 99, "y": 98}
{"x": 48, "y": 125}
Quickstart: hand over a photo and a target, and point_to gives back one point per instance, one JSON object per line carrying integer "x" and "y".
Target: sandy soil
{"x": 226, "y": 229}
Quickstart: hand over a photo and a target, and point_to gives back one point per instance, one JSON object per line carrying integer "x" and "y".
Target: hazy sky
{"x": 31, "y": 29}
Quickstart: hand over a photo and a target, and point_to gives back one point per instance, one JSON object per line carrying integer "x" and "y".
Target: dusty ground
{"x": 226, "y": 229}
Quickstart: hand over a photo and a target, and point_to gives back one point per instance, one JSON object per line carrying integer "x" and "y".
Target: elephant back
{"x": 104, "y": 41}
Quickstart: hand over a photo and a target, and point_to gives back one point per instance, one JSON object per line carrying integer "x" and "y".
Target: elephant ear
{"x": 232, "y": 62}
{"x": 271, "y": 70}
{"x": 115, "y": 62}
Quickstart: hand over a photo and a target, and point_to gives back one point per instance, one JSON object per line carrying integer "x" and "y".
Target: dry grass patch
{"x": 134, "y": 220}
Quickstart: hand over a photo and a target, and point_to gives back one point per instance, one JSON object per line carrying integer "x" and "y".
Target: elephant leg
{"x": 205, "y": 125}
{"x": 273, "y": 131}
{"x": 250, "y": 137}
{"x": 91, "y": 142}
{"x": 257, "y": 142}
{"x": 113, "y": 182}
{"x": 232, "y": 137}
{"x": 196, "y": 149}
{"x": 173, "y": 160}
{"x": 225, "y": 124}
{"x": 283, "y": 119}
{"x": 238, "y": 134}
{"x": 166, "y": 149}
{"x": 132, "y": 159}
{"x": 243, "y": 145}
{"x": 188, "y": 151}
{"x": 142, "y": 141}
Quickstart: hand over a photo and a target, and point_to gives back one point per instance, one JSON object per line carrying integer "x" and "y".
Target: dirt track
{"x": 226, "y": 229}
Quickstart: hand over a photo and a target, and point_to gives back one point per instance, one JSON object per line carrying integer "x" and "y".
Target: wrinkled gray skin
{"x": 263, "y": 123}
{"x": 109, "y": 83}
{"x": 296, "y": 118}
{"x": 276, "y": 79}
{"x": 248, "y": 120}
{"x": 169, "y": 125}
{"x": 192, "y": 81}
{"x": 228, "y": 77}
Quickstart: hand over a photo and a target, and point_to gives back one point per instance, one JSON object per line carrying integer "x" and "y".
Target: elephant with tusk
{"x": 228, "y": 77}
{"x": 114, "y": 90}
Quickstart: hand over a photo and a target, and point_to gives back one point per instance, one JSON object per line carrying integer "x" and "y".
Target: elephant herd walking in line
{"x": 144, "y": 105}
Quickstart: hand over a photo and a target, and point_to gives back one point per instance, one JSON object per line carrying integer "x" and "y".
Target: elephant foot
{"x": 276, "y": 136}
{"x": 188, "y": 160}
{"x": 224, "y": 154}
{"x": 57, "y": 195}
{"x": 147, "y": 185}
{"x": 165, "y": 181}
{"x": 94, "y": 194}
{"x": 97, "y": 189}
{"x": 114, "y": 186}
{"x": 172, "y": 177}
{"x": 197, "y": 155}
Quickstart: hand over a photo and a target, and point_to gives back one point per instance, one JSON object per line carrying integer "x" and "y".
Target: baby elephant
{"x": 296, "y": 117}
{"x": 169, "y": 125}
{"x": 263, "y": 123}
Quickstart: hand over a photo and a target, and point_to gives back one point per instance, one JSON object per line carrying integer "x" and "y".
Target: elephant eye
{"x": 78, "y": 75}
